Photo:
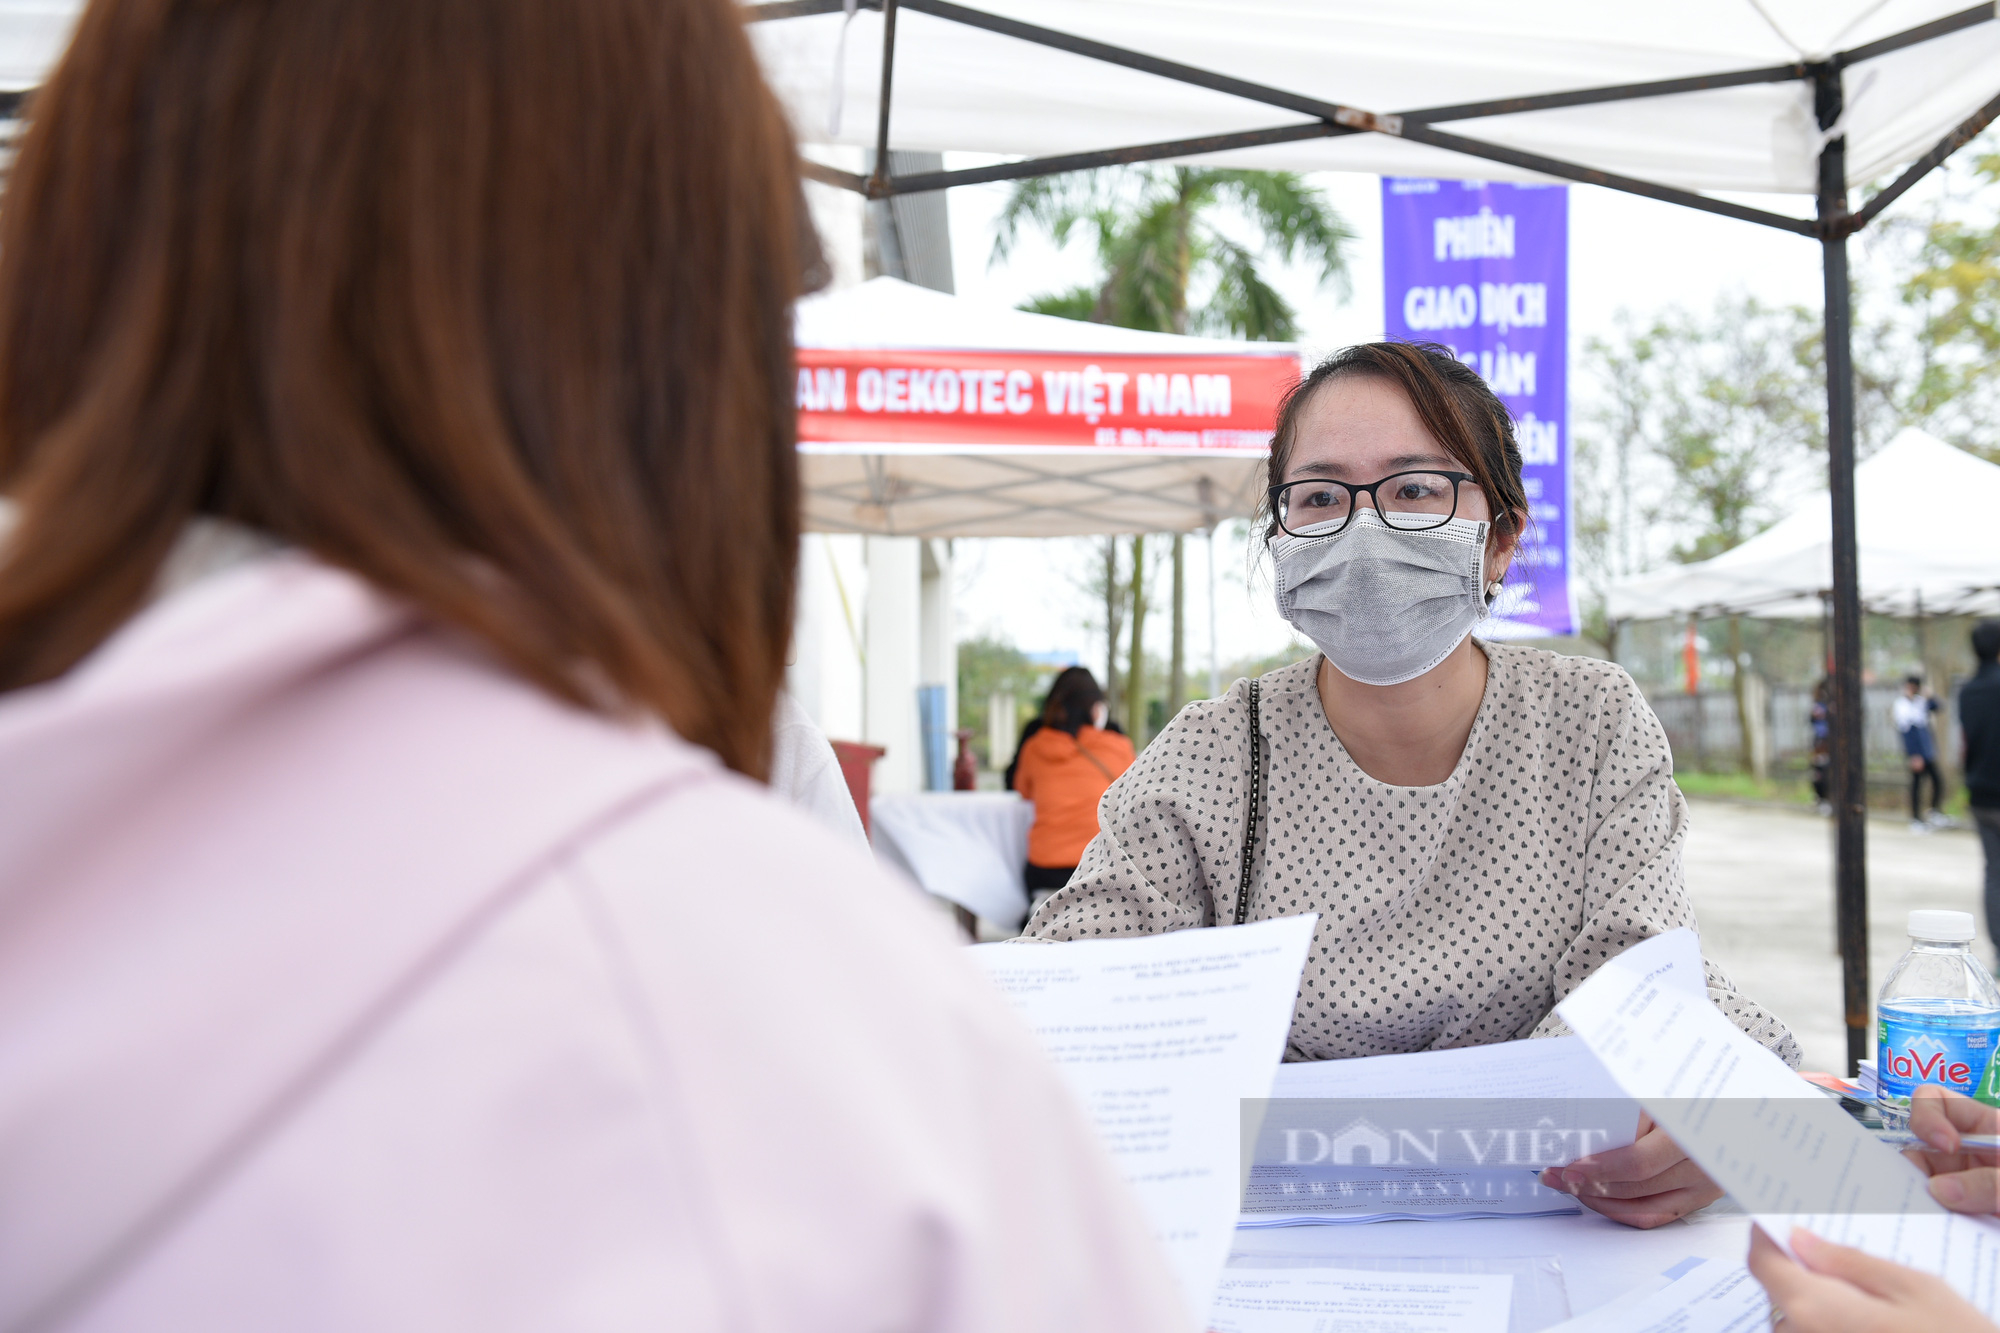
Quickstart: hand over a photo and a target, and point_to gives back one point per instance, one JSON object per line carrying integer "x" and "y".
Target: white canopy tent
{"x": 1565, "y": 79}
{"x": 1814, "y": 97}
{"x": 1027, "y": 473}
{"x": 1571, "y": 81}
{"x": 1929, "y": 543}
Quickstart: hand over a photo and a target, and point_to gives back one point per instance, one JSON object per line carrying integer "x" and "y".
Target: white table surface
{"x": 1600, "y": 1259}
{"x": 970, "y": 848}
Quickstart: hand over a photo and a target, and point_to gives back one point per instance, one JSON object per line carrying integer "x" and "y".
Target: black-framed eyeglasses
{"x": 1409, "y": 501}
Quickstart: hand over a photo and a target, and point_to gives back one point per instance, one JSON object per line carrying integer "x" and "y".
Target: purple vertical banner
{"x": 1483, "y": 268}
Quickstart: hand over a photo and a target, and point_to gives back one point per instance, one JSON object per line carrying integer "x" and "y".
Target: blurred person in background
{"x": 1979, "y": 725}
{"x": 1034, "y": 724}
{"x": 395, "y": 933}
{"x": 805, "y": 770}
{"x": 1822, "y": 745}
{"x": 1912, "y": 711}
{"x": 1064, "y": 766}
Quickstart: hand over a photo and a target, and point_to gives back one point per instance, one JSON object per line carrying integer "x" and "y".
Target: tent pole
{"x": 880, "y": 176}
{"x": 1850, "y": 769}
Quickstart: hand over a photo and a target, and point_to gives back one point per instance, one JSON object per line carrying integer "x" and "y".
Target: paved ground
{"x": 1762, "y": 884}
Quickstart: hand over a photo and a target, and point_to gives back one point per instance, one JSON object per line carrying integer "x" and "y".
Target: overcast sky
{"x": 1625, "y": 253}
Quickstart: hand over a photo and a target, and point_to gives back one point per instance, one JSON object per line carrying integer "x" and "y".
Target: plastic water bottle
{"x": 1938, "y": 1015}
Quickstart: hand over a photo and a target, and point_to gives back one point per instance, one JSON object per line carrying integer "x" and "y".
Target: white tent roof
{"x": 957, "y": 87}
{"x": 887, "y": 313}
{"x": 1926, "y": 531}
{"x": 946, "y": 484}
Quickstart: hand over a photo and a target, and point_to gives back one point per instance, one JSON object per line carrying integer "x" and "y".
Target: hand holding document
{"x": 1789, "y": 1156}
{"x": 1162, "y": 1037}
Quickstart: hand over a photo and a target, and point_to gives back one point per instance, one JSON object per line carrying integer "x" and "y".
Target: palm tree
{"x": 1172, "y": 262}
{"x": 1161, "y": 239}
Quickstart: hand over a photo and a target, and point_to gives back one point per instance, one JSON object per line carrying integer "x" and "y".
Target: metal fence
{"x": 1707, "y": 736}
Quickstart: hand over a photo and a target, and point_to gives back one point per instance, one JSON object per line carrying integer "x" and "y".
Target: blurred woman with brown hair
{"x": 395, "y": 415}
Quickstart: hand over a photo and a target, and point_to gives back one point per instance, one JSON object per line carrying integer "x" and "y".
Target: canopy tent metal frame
{"x": 874, "y": 490}
{"x": 1831, "y": 225}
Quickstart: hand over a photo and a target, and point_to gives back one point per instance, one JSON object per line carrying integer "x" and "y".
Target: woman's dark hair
{"x": 1455, "y": 405}
{"x": 1071, "y": 699}
{"x": 488, "y": 301}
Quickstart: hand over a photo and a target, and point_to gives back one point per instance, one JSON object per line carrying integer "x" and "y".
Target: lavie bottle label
{"x": 1908, "y": 1055}
{"x": 1989, "y": 1086}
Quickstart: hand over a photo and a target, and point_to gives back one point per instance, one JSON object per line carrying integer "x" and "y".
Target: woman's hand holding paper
{"x": 1647, "y": 1184}
{"x": 1834, "y": 1289}
{"x": 1837, "y": 1288}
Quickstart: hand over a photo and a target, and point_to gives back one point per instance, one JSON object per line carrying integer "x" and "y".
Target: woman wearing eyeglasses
{"x": 1478, "y": 825}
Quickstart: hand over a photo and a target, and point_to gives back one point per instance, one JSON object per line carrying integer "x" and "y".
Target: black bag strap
{"x": 1250, "y": 818}
{"x": 1082, "y": 750}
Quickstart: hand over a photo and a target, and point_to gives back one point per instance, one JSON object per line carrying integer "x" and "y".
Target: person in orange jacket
{"x": 1064, "y": 766}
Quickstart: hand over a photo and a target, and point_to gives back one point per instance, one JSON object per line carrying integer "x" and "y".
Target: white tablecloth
{"x": 970, "y": 848}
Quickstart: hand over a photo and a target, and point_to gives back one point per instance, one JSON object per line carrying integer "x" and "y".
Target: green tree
{"x": 1169, "y": 257}
{"x": 1137, "y": 715}
{"x": 1740, "y": 418}
{"x": 1173, "y": 259}
{"x": 1609, "y": 517}
{"x": 1955, "y": 290}
{"x": 1724, "y": 414}
{"x": 988, "y": 666}
{"x": 1700, "y": 431}
{"x": 1703, "y": 429}
{"x": 1694, "y": 432}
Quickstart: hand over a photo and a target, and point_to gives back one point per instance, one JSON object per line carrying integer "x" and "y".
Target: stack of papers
{"x": 1431, "y": 1135}
{"x": 1869, "y": 1084}
{"x": 1317, "y": 1300}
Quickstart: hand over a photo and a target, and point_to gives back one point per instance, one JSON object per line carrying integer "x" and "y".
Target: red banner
{"x": 852, "y": 400}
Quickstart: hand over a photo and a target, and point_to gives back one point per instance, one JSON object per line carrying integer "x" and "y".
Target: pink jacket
{"x": 349, "y": 983}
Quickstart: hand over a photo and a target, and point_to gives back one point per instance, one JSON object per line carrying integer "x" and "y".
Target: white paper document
{"x": 1710, "y": 1298}
{"x": 1554, "y": 1067}
{"x": 1788, "y": 1155}
{"x": 1162, "y": 1037}
{"x": 1332, "y": 1300}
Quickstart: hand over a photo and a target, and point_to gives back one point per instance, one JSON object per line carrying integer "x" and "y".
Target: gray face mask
{"x": 1384, "y": 605}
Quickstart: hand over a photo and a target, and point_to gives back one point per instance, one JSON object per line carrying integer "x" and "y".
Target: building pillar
{"x": 893, "y": 639}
